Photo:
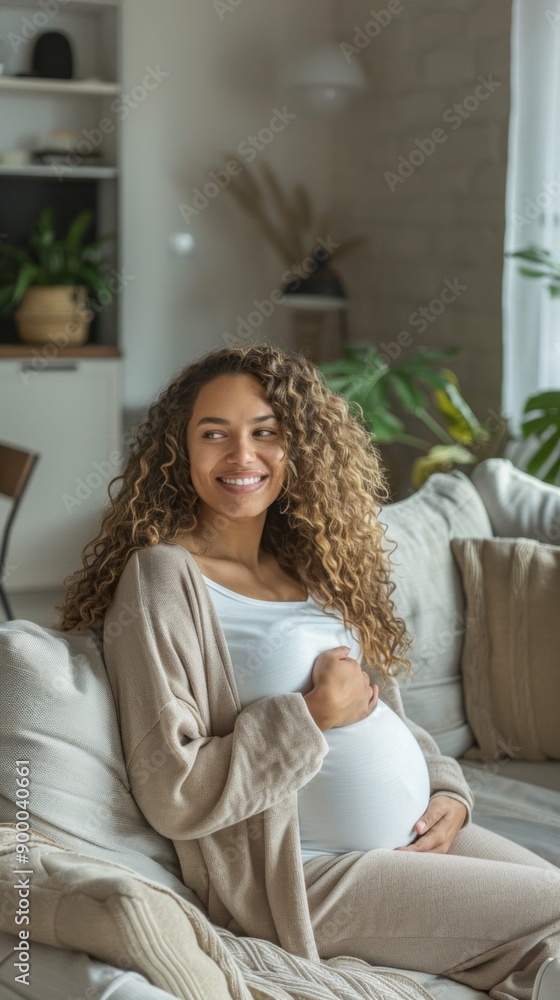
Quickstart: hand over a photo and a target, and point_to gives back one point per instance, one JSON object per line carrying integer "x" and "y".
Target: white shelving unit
{"x": 86, "y": 5}
{"x": 66, "y": 408}
{"x": 39, "y": 170}
{"x": 31, "y": 107}
{"x": 85, "y": 88}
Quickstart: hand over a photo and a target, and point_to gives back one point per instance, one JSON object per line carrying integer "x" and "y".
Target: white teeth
{"x": 241, "y": 482}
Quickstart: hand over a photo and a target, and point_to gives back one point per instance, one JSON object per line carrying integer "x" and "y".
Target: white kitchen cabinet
{"x": 69, "y": 411}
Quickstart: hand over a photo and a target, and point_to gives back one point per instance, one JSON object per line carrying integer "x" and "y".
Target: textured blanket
{"x": 54, "y": 895}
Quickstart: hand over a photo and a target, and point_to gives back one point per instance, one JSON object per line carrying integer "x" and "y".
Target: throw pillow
{"x": 510, "y": 658}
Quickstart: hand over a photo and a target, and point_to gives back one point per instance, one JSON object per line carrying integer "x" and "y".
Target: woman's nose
{"x": 242, "y": 449}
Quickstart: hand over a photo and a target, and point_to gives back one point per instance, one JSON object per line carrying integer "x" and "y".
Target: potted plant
{"x": 375, "y": 389}
{"x": 49, "y": 281}
{"x": 541, "y": 412}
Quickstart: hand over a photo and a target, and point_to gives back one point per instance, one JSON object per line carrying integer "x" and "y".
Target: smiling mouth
{"x": 247, "y": 484}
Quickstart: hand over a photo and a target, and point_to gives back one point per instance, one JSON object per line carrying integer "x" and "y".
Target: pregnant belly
{"x": 372, "y": 788}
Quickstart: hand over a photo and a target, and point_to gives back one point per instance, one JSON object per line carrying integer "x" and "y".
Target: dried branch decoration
{"x": 291, "y": 228}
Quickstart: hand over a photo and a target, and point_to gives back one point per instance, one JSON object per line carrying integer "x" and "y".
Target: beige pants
{"x": 487, "y": 914}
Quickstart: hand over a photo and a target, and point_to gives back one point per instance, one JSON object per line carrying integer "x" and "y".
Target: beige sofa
{"x": 57, "y": 713}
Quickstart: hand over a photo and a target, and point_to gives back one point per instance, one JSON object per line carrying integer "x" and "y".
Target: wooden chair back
{"x": 16, "y": 467}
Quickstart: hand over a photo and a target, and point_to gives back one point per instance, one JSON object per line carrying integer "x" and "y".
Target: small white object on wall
{"x": 182, "y": 243}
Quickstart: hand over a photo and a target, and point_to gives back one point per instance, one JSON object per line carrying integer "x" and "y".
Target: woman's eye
{"x": 263, "y": 430}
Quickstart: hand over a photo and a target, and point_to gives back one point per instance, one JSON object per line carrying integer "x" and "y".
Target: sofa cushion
{"x": 519, "y": 505}
{"x": 429, "y": 597}
{"x": 541, "y": 773}
{"x": 521, "y": 805}
{"x": 511, "y": 675}
{"x": 57, "y": 711}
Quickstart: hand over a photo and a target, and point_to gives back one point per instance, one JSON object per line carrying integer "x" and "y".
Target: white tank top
{"x": 373, "y": 784}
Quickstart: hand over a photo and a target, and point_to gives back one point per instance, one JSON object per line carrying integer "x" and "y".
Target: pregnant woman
{"x": 243, "y": 591}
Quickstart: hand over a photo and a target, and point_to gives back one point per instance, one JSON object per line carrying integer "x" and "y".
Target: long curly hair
{"x": 322, "y": 528}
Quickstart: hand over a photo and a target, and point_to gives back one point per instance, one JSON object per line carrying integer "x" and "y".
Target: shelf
{"x": 85, "y": 351}
{"x": 76, "y": 173}
{"x": 34, "y": 85}
{"x": 91, "y": 6}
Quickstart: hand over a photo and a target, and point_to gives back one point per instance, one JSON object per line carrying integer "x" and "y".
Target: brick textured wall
{"x": 430, "y": 203}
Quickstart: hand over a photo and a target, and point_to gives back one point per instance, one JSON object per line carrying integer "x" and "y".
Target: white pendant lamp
{"x": 323, "y": 81}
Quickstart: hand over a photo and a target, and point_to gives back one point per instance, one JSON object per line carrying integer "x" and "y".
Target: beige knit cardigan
{"x": 221, "y": 781}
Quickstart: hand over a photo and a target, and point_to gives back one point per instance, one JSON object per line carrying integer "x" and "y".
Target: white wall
{"x": 221, "y": 88}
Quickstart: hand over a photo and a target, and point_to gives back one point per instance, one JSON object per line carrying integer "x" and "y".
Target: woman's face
{"x": 234, "y": 435}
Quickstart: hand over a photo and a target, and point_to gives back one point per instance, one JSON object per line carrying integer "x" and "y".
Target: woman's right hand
{"x": 342, "y": 692}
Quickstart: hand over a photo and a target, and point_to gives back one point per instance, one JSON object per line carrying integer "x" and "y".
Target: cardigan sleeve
{"x": 446, "y": 776}
{"x": 164, "y": 672}
{"x": 189, "y": 788}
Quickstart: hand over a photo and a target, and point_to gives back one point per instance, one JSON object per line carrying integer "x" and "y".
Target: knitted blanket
{"x": 60, "y": 897}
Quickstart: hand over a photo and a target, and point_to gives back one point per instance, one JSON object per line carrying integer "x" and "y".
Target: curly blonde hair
{"x": 323, "y": 527}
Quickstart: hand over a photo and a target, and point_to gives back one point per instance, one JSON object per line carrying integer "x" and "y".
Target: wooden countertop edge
{"x": 45, "y": 351}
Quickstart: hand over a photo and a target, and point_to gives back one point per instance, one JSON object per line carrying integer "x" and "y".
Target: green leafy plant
{"x": 543, "y": 421}
{"x": 48, "y": 260}
{"x": 420, "y": 385}
{"x": 545, "y": 266}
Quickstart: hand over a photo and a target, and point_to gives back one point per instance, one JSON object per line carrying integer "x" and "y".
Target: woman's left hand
{"x": 438, "y": 826}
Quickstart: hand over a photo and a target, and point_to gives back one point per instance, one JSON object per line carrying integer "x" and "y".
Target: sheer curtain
{"x": 531, "y": 330}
